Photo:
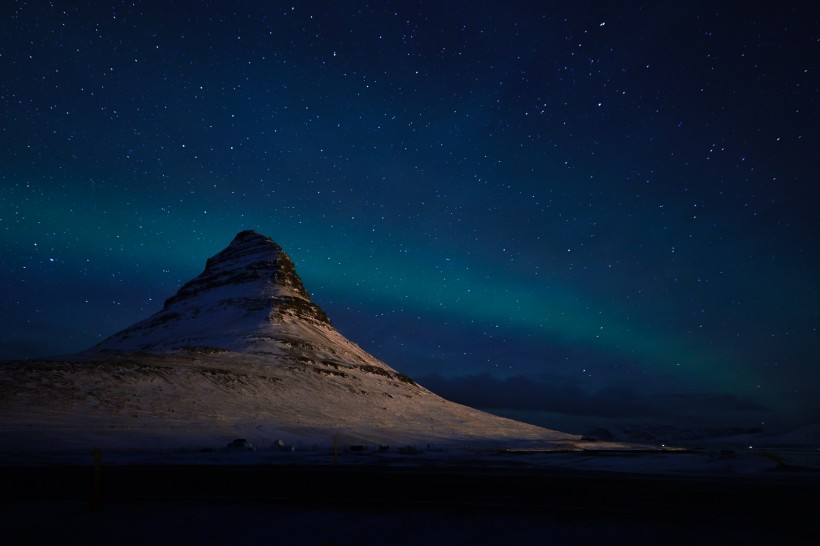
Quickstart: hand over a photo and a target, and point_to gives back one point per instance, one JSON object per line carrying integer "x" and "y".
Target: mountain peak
{"x": 246, "y": 290}
{"x": 250, "y": 259}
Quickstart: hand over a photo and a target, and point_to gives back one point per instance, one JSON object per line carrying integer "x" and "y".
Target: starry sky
{"x": 568, "y": 212}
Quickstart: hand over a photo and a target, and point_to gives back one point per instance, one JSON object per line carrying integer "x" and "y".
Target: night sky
{"x": 570, "y": 212}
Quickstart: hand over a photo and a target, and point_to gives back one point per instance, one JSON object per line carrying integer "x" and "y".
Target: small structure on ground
{"x": 240, "y": 444}
{"x": 280, "y": 445}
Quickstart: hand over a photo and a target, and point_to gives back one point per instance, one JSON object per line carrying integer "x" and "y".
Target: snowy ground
{"x": 592, "y": 456}
{"x": 608, "y": 475}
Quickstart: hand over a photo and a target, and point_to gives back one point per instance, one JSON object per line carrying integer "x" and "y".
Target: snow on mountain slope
{"x": 240, "y": 350}
{"x": 207, "y": 399}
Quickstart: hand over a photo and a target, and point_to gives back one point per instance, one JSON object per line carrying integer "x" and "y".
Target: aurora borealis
{"x": 597, "y": 210}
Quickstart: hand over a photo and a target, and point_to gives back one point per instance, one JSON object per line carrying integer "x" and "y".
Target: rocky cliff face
{"x": 259, "y": 267}
{"x": 249, "y": 292}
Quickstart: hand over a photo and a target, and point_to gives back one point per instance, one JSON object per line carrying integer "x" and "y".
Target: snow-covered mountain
{"x": 239, "y": 351}
{"x": 248, "y": 299}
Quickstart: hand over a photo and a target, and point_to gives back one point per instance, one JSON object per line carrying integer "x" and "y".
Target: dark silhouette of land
{"x": 754, "y": 510}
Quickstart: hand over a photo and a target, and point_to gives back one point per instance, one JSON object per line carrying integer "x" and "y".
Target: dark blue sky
{"x": 574, "y": 211}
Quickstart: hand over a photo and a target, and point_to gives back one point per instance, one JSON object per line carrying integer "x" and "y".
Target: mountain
{"x": 653, "y": 433}
{"x": 248, "y": 299}
{"x": 238, "y": 351}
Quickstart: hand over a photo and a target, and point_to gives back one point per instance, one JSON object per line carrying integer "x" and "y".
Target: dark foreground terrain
{"x": 310, "y": 504}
